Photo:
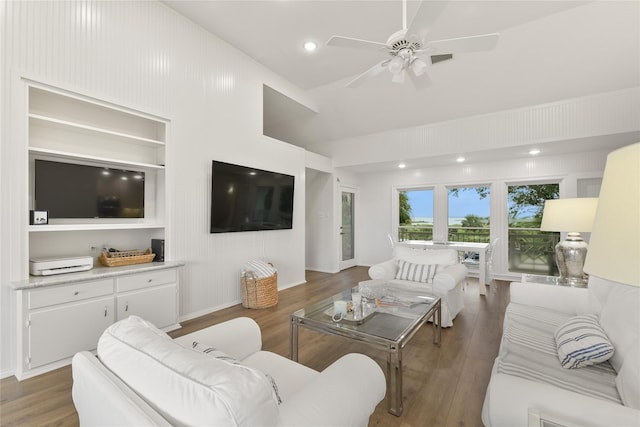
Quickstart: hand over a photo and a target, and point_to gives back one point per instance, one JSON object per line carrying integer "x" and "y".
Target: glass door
{"x": 347, "y": 229}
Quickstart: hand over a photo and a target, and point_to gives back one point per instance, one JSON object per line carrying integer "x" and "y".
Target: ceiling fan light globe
{"x": 418, "y": 66}
{"x": 398, "y": 77}
{"x": 396, "y": 65}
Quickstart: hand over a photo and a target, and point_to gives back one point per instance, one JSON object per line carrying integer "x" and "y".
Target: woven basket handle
{"x": 250, "y": 275}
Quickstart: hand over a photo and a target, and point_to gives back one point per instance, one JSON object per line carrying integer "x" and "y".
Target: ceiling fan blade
{"x": 355, "y": 43}
{"x": 463, "y": 44}
{"x": 420, "y": 82}
{"x": 427, "y": 14}
{"x": 371, "y": 72}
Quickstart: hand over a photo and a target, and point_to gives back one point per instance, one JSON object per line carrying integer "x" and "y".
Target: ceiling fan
{"x": 405, "y": 46}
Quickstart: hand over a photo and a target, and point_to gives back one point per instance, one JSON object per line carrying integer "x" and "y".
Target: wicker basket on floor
{"x": 259, "y": 292}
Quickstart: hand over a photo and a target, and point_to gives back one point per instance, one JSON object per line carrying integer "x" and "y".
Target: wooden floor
{"x": 442, "y": 386}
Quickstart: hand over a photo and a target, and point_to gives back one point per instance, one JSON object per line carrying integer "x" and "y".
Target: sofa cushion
{"x": 416, "y": 272}
{"x": 528, "y": 351}
{"x": 426, "y": 256}
{"x": 187, "y": 387}
{"x": 619, "y": 318}
{"x": 582, "y": 342}
{"x": 628, "y": 379}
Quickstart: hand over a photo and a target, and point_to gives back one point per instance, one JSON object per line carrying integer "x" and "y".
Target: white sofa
{"x": 143, "y": 377}
{"x": 447, "y": 282}
{"x": 528, "y": 377}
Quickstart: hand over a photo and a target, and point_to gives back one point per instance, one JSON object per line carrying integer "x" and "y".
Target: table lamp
{"x": 614, "y": 252}
{"x": 573, "y": 216}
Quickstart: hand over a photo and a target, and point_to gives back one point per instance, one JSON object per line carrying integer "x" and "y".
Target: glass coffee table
{"x": 383, "y": 321}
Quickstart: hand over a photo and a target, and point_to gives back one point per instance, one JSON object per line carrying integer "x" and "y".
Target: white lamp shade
{"x": 614, "y": 246}
{"x": 571, "y": 215}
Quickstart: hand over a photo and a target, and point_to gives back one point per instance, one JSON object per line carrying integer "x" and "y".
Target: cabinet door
{"x": 61, "y": 331}
{"x": 157, "y": 305}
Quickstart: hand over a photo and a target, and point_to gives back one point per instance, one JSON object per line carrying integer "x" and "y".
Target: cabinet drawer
{"x": 144, "y": 280}
{"x": 69, "y": 293}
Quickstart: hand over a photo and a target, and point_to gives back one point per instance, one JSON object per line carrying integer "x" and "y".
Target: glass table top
{"x": 390, "y": 315}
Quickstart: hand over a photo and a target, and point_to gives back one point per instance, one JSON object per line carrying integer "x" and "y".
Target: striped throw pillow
{"x": 581, "y": 342}
{"x": 416, "y": 272}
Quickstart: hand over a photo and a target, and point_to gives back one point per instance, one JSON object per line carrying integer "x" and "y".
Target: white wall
{"x": 320, "y": 218}
{"x": 378, "y": 194}
{"x": 145, "y": 56}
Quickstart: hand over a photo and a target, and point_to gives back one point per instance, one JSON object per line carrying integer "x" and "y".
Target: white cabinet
{"x": 60, "y": 318}
{"x": 58, "y": 332}
{"x": 151, "y": 296}
{"x": 156, "y": 304}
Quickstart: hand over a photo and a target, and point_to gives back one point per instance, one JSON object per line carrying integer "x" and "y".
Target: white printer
{"x": 57, "y": 265}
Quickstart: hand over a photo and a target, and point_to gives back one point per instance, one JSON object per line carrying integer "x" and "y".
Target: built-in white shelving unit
{"x": 68, "y": 127}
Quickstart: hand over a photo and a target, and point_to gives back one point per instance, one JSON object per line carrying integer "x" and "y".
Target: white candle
{"x": 340, "y": 307}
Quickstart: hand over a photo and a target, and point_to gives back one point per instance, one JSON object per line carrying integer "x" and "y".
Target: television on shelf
{"x": 249, "y": 199}
{"x": 69, "y": 190}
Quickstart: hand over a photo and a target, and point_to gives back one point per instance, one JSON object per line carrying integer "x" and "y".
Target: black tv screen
{"x": 249, "y": 199}
{"x": 69, "y": 190}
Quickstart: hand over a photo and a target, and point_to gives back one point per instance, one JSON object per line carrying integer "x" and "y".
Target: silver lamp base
{"x": 570, "y": 256}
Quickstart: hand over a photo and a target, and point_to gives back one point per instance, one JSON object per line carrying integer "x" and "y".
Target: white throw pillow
{"x": 416, "y": 272}
{"x": 186, "y": 387}
{"x": 582, "y": 342}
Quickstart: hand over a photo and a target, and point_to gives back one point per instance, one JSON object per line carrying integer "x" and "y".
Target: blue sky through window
{"x": 467, "y": 202}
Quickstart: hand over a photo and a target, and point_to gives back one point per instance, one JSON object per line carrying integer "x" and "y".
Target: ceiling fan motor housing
{"x": 398, "y": 42}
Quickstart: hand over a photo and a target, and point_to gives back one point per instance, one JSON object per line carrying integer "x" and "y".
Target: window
{"x": 531, "y": 250}
{"x": 416, "y": 215}
{"x": 469, "y": 214}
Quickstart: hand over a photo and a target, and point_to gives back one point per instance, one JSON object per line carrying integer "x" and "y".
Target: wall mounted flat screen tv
{"x": 249, "y": 199}
{"x": 70, "y": 190}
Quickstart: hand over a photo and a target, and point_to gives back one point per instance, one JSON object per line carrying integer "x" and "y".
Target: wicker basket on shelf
{"x": 259, "y": 292}
{"x": 120, "y": 258}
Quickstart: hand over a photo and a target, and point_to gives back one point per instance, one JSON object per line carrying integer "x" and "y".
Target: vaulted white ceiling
{"x": 548, "y": 51}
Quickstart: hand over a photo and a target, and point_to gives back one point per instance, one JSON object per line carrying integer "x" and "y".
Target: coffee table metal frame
{"x": 393, "y": 346}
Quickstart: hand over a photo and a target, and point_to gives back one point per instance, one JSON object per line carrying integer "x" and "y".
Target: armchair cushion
{"x": 449, "y": 277}
{"x": 384, "y": 271}
{"x": 212, "y": 392}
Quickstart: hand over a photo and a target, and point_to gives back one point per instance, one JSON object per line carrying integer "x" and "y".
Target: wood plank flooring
{"x": 442, "y": 386}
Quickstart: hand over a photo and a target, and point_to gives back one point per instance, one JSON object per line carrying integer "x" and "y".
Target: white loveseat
{"x": 446, "y": 283}
{"x": 143, "y": 377}
{"x": 528, "y": 377}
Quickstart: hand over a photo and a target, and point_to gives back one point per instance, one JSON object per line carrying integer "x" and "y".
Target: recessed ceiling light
{"x": 460, "y": 159}
{"x": 402, "y": 165}
{"x": 310, "y": 46}
{"x": 534, "y": 151}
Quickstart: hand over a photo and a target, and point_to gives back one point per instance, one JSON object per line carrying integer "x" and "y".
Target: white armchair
{"x": 446, "y": 283}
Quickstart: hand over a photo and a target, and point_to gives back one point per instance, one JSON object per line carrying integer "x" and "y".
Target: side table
{"x": 545, "y": 280}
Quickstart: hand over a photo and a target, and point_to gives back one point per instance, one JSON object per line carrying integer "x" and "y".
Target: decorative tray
{"x": 353, "y": 317}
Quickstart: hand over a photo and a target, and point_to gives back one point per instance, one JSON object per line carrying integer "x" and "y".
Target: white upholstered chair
{"x": 446, "y": 282}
